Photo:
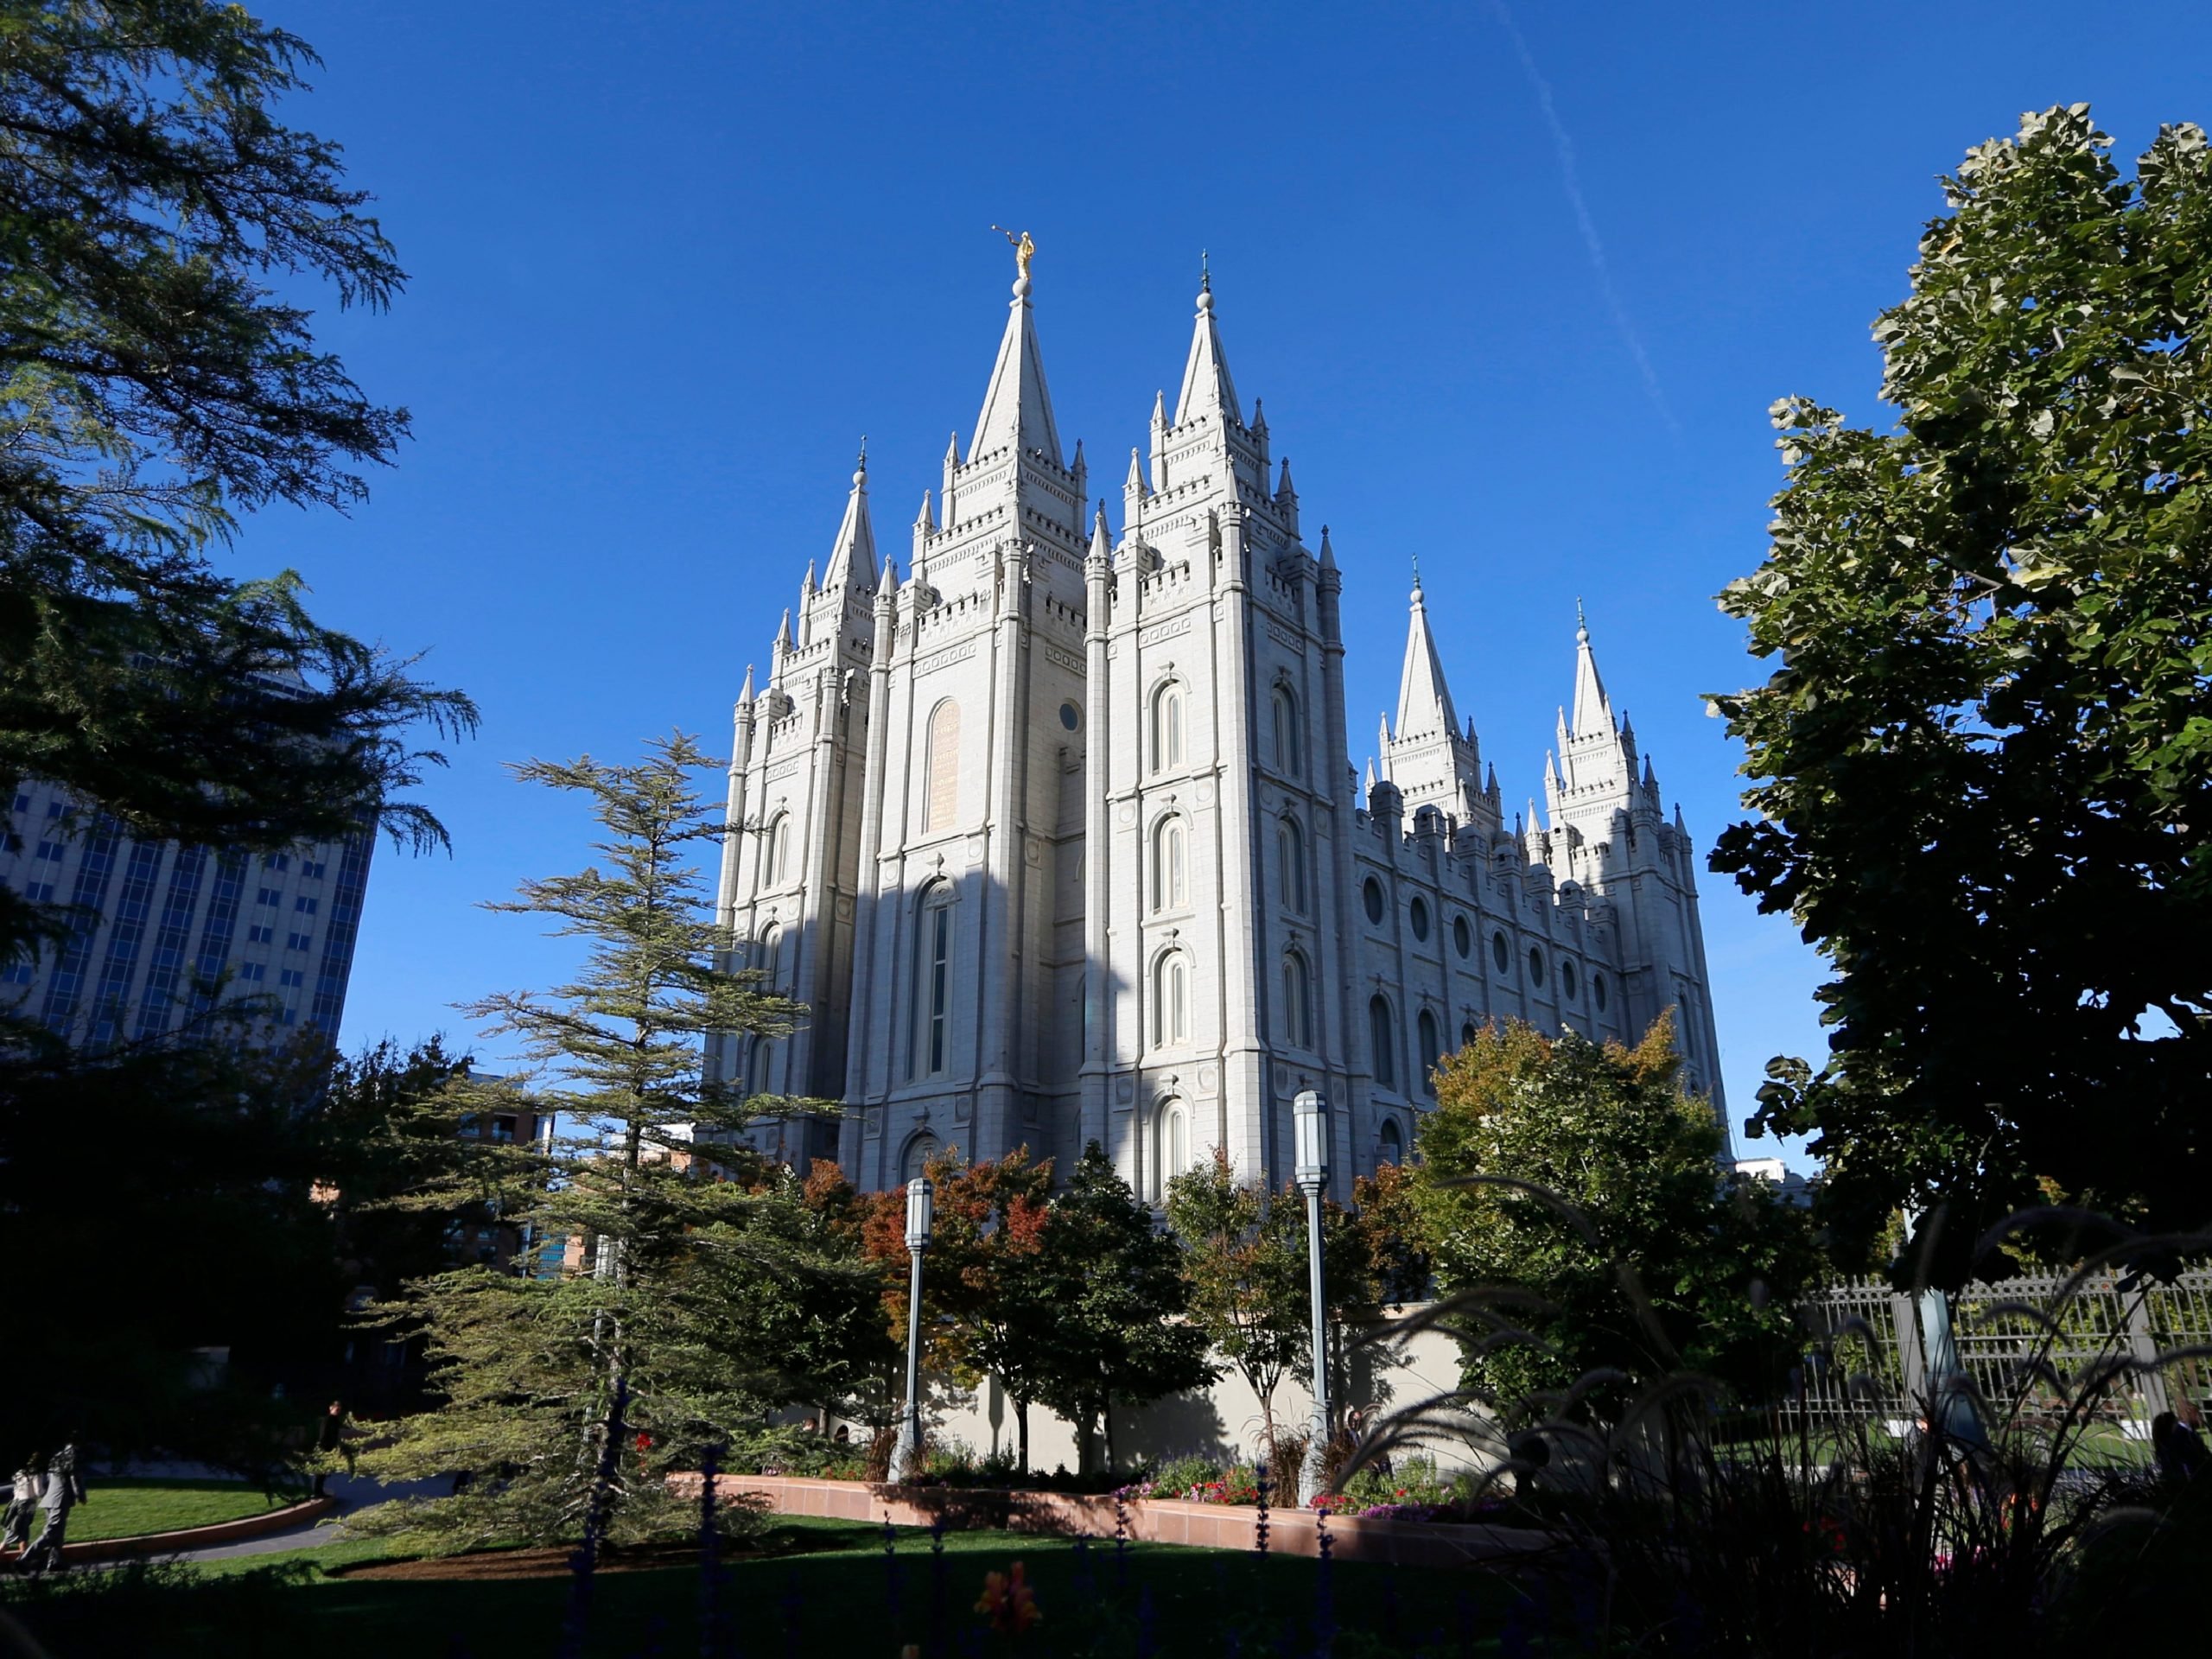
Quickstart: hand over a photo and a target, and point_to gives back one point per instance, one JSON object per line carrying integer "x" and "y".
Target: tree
{"x": 1573, "y": 1201}
{"x": 1982, "y": 764}
{"x": 565, "y": 1395}
{"x": 1245, "y": 1259}
{"x": 152, "y": 386}
{"x": 1117, "y": 1296}
{"x": 988, "y": 1294}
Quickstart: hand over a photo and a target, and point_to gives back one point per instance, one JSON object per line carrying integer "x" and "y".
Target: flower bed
{"x": 1144, "y": 1519}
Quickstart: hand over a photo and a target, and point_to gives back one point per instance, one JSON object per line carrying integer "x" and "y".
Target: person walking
{"x": 65, "y": 1489}
{"x": 330, "y": 1441}
{"x": 23, "y": 1503}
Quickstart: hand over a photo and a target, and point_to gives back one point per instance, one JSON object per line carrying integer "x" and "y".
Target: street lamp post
{"x": 1310, "y": 1118}
{"x": 920, "y": 1206}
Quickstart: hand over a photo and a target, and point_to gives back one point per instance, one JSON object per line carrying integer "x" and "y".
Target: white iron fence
{"x": 1868, "y": 1357}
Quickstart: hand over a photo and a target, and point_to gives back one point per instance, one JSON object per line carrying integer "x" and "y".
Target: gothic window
{"x": 1167, "y": 727}
{"x": 1290, "y": 847}
{"x": 1467, "y": 1034}
{"x": 1567, "y": 980}
{"x": 1381, "y": 1034}
{"x": 1286, "y": 741}
{"x": 1171, "y": 1145}
{"x": 1598, "y": 991}
{"x": 770, "y": 960}
{"x": 1389, "y": 1143}
{"x": 776, "y": 850}
{"x": 1431, "y": 1047}
{"x": 1463, "y": 936}
{"x": 1535, "y": 966}
{"x": 1500, "y": 952}
{"x": 941, "y": 768}
{"x": 1419, "y": 914}
{"x": 1171, "y": 864}
{"x": 1170, "y": 1000}
{"x": 915, "y": 1161}
{"x": 928, "y": 1031}
{"x": 1371, "y": 896}
{"x": 760, "y": 1079}
{"x": 1297, "y": 1002}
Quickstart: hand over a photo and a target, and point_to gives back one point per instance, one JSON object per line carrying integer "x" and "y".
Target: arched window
{"x": 1167, "y": 727}
{"x": 941, "y": 769}
{"x": 1431, "y": 1049}
{"x": 914, "y": 1161}
{"x": 1389, "y": 1143}
{"x": 1467, "y": 1034}
{"x": 1381, "y": 1034}
{"x": 776, "y": 850}
{"x": 929, "y": 1024}
{"x": 1170, "y": 1000}
{"x": 1171, "y": 864}
{"x": 1297, "y": 1002}
{"x": 1290, "y": 847}
{"x": 760, "y": 1075}
{"x": 1171, "y": 1145}
{"x": 1287, "y": 747}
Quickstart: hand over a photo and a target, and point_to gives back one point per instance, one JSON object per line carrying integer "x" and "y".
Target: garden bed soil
{"x": 1144, "y": 1520}
{"x": 555, "y": 1563}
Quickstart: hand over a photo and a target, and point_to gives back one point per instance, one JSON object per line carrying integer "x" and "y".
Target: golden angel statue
{"x": 1024, "y": 250}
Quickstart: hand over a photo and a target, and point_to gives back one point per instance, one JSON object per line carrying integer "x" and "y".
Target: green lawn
{"x": 122, "y": 1507}
{"x": 829, "y": 1594}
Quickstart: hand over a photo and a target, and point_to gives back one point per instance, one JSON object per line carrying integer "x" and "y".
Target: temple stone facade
{"x": 1059, "y": 838}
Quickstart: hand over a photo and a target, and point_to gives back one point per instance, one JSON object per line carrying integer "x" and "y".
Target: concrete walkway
{"x": 352, "y": 1492}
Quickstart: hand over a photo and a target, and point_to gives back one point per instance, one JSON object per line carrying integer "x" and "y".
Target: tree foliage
{"x": 154, "y": 385}
{"x": 1579, "y": 1218}
{"x": 566, "y": 1392}
{"x": 1983, "y": 762}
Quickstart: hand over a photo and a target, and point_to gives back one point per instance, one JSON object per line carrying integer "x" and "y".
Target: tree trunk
{"x": 1086, "y": 1432}
{"x": 1021, "y": 1430}
{"x": 1106, "y": 1415}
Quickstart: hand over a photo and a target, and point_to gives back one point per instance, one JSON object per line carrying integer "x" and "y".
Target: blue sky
{"x": 1517, "y": 289}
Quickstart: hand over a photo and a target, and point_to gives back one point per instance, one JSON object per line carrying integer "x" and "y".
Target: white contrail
{"x": 1565, "y": 148}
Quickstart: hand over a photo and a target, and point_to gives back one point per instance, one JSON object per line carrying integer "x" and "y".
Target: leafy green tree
{"x": 1116, "y": 1296}
{"x": 1982, "y": 764}
{"x": 1579, "y": 1219}
{"x": 565, "y": 1396}
{"x": 1244, "y": 1258}
{"x": 152, "y": 386}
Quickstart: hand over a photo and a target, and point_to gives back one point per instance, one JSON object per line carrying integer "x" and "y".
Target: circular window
{"x": 1463, "y": 936}
{"x": 1070, "y": 716}
{"x": 1535, "y": 966}
{"x": 1420, "y": 917}
{"x": 1597, "y": 990}
{"x": 1371, "y": 896}
{"x": 1566, "y": 977}
{"x": 1501, "y": 952}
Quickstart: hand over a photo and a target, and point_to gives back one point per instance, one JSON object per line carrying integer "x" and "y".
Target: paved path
{"x": 352, "y": 1492}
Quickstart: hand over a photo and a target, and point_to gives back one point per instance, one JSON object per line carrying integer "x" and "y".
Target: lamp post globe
{"x": 921, "y": 1214}
{"x": 1309, "y": 1116}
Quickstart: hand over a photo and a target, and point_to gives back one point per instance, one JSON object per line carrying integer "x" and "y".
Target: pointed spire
{"x": 1371, "y": 774}
{"x": 854, "y": 554}
{"x": 1424, "y": 700}
{"x": 1017, "y": 410}
{"x": 1593, "y": 714}
{"x": 886, "y": 585}
{"x": 1136, "y": 484}
{"x": 1328, "y": 553}
{"x": 952, "y": 451}
{"x": 1259, "y": 418}
{"x": 1283, "y": 489}
{"x": 926, "y": 518}
{"x": 1207, "y": 388}
{"x": 1102, "y": 542}
{"x": 784, "y": 634}
{"x": 808, "y": 587}
{"x": 746, "y": 695}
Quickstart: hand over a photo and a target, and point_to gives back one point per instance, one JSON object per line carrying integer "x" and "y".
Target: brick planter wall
{"x": 1151, "y": 1520}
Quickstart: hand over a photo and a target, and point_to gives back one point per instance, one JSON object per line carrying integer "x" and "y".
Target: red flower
{"x": 1008, "y": 1602}
{"x": 645, "y": 1440}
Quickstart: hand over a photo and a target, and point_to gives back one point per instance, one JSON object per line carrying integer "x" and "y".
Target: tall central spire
{"x": 1424, "y": 700}
{"x": 1207, "y": 388}
{"x": 1017, "y": 408}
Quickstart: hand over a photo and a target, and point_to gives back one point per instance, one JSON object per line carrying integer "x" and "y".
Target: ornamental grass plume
{"x": 1008, "y": 1602}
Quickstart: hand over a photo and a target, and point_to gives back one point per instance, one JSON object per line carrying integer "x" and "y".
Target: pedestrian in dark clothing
{"x": 330, "y": 1441}
{"x": 65, "y": 1489}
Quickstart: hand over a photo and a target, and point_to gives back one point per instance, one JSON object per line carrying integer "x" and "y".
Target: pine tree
{"x": 568, "y": 1393}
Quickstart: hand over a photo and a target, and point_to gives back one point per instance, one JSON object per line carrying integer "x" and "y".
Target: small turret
{"x": 1287, "y": 499}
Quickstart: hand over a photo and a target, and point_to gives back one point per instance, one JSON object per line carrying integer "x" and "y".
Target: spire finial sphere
{"x": 1581, "y": 623}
